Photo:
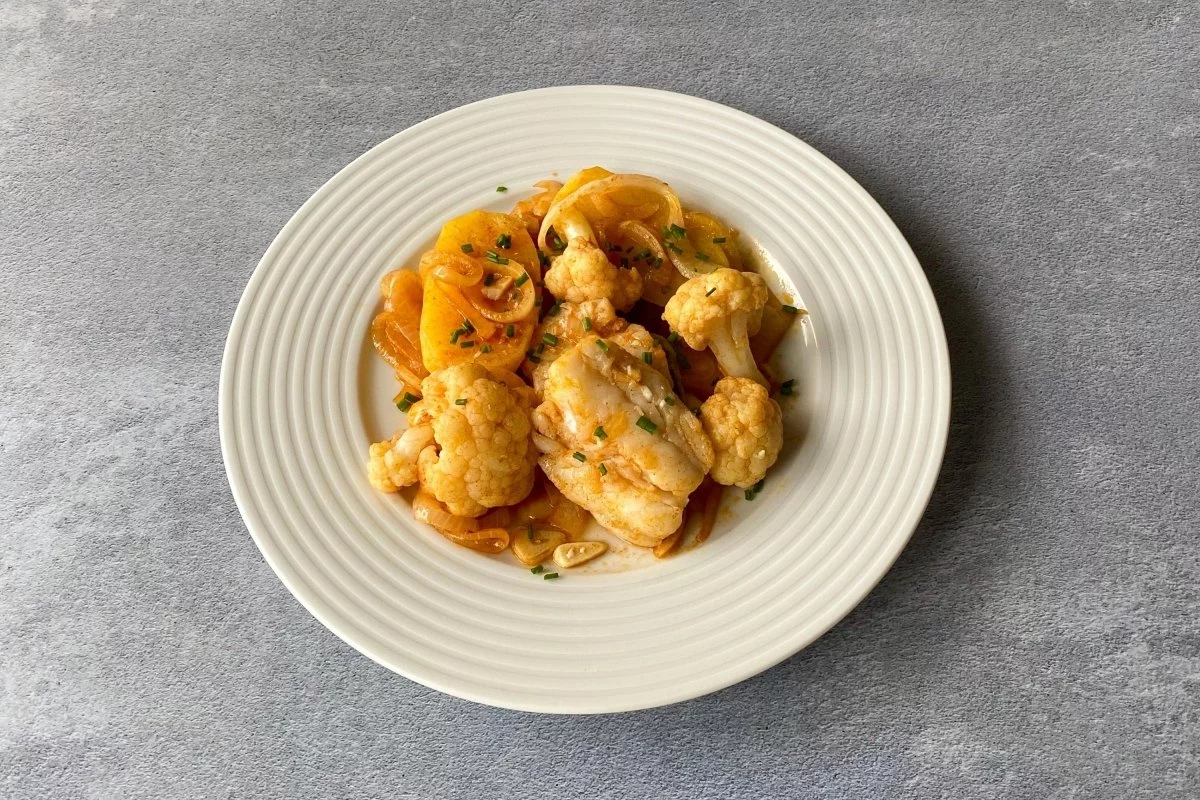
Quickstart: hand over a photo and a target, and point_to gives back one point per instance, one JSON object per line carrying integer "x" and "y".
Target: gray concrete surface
{"x": 1040, "y": 637}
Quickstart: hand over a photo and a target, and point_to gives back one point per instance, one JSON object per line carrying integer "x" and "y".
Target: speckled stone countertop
{"x": 1039, "y": 638}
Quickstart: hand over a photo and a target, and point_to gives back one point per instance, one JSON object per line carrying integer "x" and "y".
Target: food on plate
{"x": 596, "y": 354}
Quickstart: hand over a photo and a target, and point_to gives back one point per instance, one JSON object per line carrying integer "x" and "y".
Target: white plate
{"x": 302, "y": 396}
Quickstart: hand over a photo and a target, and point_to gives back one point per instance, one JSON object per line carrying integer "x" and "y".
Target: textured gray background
{"x": 1039, "y": 638}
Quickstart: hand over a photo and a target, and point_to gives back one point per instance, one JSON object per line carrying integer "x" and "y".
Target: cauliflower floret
{"x": 721, "y": 310}
{"x": 583, "y": 272}
{"x": 393, "y": 463}
{"x": 617, "y": 441}
{"x": 565, "y": 324}
{"x": 482, "y": 455}
{"x": 746, "y": 428}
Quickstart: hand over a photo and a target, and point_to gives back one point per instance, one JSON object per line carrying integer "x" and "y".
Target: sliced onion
{"x": 397, "y": 340}
{"x": 428, "y": 509}
{"x": 668, "y": 545}
{"x": 497, "y": 518}
{"x": 711, "y": 504}
{"x": 401, "y": 291}
{"x": 537, "y": 507}
{"x": 486, "y": 540}
{"x": 566, "y": 516}
{"x": 455, "y": 269}
{"x": 667, "y": 200}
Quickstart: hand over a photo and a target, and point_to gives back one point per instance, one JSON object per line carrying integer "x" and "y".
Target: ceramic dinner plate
{"x": 302, "y": 395}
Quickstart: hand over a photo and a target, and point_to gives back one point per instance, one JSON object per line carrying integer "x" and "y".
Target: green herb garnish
{"x": 501, "y": 188}
{"x": 603, "y": 470}
{"x": 489, "y": 279}
{"x": 718, "y": 240}
{"x": 648, "y": 357}
{"x": 407, "y": 401}
{"x": 647, "y": 424}
{"x": 496, "y": 258}
{"x": 550, "y": 339}
{"x": 587, "y": 323}
{"x": 521, "y": 280}
{"x": 550, "y": 576}
{"x": 600, "y": 433}
{"x": 710, "y": 291}
{"x": 580, "y": 457}
{"x": 487, "y": 348}
{"x": 503, "y": 240}
{"x": 462, "y": 401}
{"x": 467, "y": 248}
{"x": 553, "y": 310}
{"x": 510, "y": 330}
{"x": 790, "y": 310}
{"x": 466, "y": 344}
{"x": 603, "y": 345}
{"x": 538, "y": 570}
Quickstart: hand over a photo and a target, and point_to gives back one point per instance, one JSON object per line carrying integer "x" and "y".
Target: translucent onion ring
{"x": 452, "y": 269}
{"x": 609, "y": 184}
{"x": 429, "y": 509}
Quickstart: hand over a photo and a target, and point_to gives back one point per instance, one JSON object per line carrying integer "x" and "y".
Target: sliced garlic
{"x": 533, "y": 551}
{"x": 575, "y": 553}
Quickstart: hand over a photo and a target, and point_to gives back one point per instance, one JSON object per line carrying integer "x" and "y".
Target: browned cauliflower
{"x": 746, "y": 429}
{"x": 721, "y": 310}
{"x": 469, "y": 442}
{"x": 583, "y": 272}
{"x": 393, "y": 463}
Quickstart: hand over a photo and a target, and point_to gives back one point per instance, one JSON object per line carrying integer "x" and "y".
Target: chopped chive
{"x": 587, "y": 323}
{"x": 496, "y": 258}
{"x": 467, "y": 248}
{"x": 677, "y": 231}
{"x": 503, "y": 240}
{"x": 788, "y": 388}
{"x": 550, "y": 576}
{"x": 674, "y": 248}
{"x": 501, "y": 188}
{"x": 658, "y": 262}
{"x": 600, "y": 433}
{"x": 758, "y": 486}
{"x": 462, "y": 401}
{"x": 553, "y": 310}
{"x": 749, "y": 494}
{"x": 550, "y": 339}
{"x": 672, "y": 337}
{"x": 718, "y": 240}
{"x": 702, "y": 256}
{"x": 407, "y": 401}
{"x": 467, "y": 326}
{"x": 669, "y": 400}
{"x": 710, "y": 291}
{"x": 648, "y": 357}
{"x": 603, "y": 345}
{"x": 558, "y": 243}
{"x": 580, "y": 457}
{"x": 790, "y": 310}
{"x": 521, "y": 280}
{"x": 538, "y": 570}
{"x": 457, "y": 332}
{"x": 647, "y": 424}
{"x": 487, "y": 348}
{"x": 603, "y": 470}
{"x": 645, "y": 254}
{"x": 466, "y": 344}
{"x": 533, "y": 357}
{"x": 489, "y": 279}
{"x": 510, "y": 330}
{"x": 541, "y": 348}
